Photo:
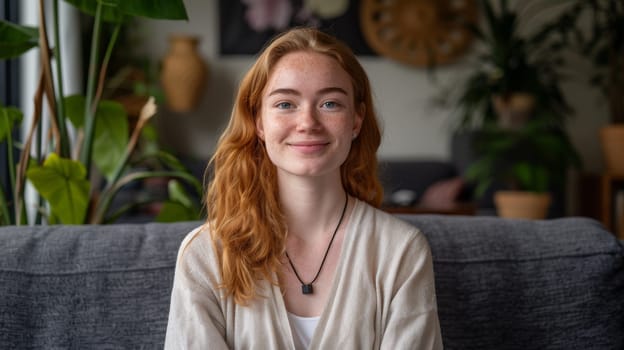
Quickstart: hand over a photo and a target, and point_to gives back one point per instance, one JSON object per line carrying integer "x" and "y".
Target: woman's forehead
{"x": 308, "y": 70}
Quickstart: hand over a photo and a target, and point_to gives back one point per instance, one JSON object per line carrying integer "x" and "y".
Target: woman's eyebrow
{"x": 284, "y": 91}
{"x": 333, "y": 89}
{"x": 327, "y": 90}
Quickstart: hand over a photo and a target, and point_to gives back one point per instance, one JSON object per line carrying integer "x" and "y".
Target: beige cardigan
{"x": 383, "y": 295}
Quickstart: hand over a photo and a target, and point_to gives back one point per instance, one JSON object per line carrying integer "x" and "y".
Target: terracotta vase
{"x": 184, "y": 73}
{"x": 612, "y": 139}
{"x": 522, "y": 205}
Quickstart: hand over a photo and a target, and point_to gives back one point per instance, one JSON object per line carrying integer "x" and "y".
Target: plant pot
{"x": 184, "y": 73}
{"x": 513, "y": 110}
{"x": 522, "y": 204}
{"x": 612, "y": 140}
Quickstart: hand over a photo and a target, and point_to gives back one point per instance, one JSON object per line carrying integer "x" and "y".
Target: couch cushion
{"x": 85, "y": 287}
{"x": 519, "y": 284}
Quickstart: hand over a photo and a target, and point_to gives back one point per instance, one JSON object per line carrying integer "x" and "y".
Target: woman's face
{"x": 308, "y": 118}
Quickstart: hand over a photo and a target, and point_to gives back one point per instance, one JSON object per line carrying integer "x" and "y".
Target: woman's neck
{"x": 312, "y": 207}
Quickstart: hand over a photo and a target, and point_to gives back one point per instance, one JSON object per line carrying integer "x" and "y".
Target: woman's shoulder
{"x": 198, "y": 237}
{"x": 386, "y": 233}
{"x": 386, "y": 223}
{"x": 197, "y": 249}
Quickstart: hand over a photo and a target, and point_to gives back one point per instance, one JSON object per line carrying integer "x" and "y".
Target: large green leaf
{"x": 174, "y": 211}
{"x": 74, "y": 109}
{"x": 110, "y": 9}
{"x": 158, "y": 9}
{"x": 113, "y": 10}
{"x": 111, "y": 130}
{"x": 9, "y": 116}
{"x": 111, "y": 136}
{"x": 16, "y": 39}
{"x": 62, "y": 182}
{"x": 178, "y": 194}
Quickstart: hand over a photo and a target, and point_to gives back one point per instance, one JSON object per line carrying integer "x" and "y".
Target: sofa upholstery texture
{"x": 501, "y": 284}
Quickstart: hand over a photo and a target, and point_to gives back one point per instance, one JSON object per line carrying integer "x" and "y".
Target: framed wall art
{"x": 245, "y": 26}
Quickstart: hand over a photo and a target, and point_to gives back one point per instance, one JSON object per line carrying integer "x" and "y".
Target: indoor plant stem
{"x": 105, "y": 61}
{"x": 109, "y": 193}
{"x": 62, "y": 145}
{"x": 60, "y": 103}
{"x": 4, "y": 209}
{"x": 85, "y": 154}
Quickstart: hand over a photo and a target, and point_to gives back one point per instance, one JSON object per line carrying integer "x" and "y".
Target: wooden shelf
{"x": 598, "y": 200}
{"x": 455, "y": 209}
{"x": 610, "y": 218}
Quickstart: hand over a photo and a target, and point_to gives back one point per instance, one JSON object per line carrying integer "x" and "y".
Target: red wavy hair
{"x": 244, "y": 212}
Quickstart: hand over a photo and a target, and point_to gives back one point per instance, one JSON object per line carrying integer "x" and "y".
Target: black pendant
{"x": 307, "y": 289}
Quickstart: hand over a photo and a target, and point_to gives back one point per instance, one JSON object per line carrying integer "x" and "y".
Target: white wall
{"x": 412, "y": 129}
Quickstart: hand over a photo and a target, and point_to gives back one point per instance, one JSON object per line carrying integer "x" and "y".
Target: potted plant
{"x": 511, "y": 107}
{"x": 78, "y": 178}
{"x": 529, "y": 163}
{"x": 599, "y": 36}
{"x": 516, "y": 69}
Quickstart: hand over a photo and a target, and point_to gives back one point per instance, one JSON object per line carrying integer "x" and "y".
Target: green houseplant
{"x": 77, "y": 179}
{"x": 516, "y": 70}
{"x": 512, "y": 104}
{"x": 532, "y": 160}
{"x": 599, "y": 36}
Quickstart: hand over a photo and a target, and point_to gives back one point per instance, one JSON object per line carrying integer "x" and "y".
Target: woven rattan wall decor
{"x": 418, "y": 32}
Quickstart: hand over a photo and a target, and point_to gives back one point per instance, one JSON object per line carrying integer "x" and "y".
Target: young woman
{"x": 294, "y": 254}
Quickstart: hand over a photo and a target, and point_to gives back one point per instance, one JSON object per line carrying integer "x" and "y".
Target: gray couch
{"x": 501, "y": 284}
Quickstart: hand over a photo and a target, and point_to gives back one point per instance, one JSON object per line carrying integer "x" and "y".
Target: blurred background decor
{"x": 184, "y": 73}
{"x": 599, "y": 37}
{"x": 420, "y": 33}
{"x": 246, "y": 25}
{"x": 511, "y": 111}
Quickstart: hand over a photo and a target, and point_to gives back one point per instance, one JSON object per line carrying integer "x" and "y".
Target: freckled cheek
{"x": 342, "y": 128}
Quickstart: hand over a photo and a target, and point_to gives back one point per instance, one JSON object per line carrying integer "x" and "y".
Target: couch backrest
{"x": 85, "y": 287}
{"x": 520, "y": 284}
{"x": 501, "y": 284}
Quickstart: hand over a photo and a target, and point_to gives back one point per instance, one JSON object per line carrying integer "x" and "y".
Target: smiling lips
{"x": 309, "y": 146}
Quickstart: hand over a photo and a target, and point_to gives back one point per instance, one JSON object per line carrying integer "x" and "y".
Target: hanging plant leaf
{"x": 114, "y": 10}
{"x": 62, "y": 182}
{"x": 111, "y": 136}
{"x": 9, "y": 116}
{"x": 16, "y": 39}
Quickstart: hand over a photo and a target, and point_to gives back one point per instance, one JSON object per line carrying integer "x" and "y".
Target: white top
{"x": 382, "y": 296}
{"x": 303, "y": 329}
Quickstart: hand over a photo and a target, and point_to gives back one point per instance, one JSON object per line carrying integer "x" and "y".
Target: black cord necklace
{"x": 306, "y": 288}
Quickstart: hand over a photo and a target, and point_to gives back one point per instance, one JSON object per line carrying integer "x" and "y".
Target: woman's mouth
{"x": 309, "y": 147}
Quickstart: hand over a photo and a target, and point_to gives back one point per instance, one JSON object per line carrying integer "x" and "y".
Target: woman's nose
{"x": 308, "y": 118}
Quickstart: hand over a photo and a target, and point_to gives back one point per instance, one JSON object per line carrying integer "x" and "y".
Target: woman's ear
{"x": 359, "y": 119}
{"x": 259, "y": 128}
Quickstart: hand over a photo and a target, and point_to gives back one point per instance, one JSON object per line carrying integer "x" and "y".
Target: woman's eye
{"x": 330, "y": 104}
{"x": 284, "y": 105}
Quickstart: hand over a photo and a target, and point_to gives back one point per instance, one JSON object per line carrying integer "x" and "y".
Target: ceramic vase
{"x": 522, "y": 205}
{"x": 184, "y": 73}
